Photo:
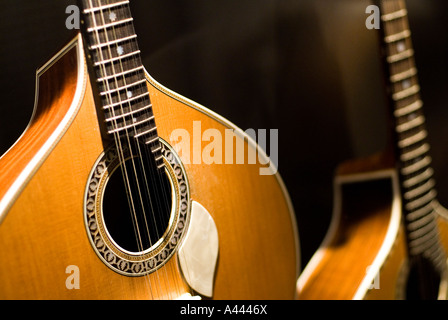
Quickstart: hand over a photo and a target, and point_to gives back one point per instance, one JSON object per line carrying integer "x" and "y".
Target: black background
{"x": 309, "y": 68}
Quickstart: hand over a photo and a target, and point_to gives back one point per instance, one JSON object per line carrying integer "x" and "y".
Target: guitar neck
{"x": 411, "y": 143}
{"x": 118, "y": 71}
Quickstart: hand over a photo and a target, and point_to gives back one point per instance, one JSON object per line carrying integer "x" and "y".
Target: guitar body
{"x": 442, "y": 225}
{"x": 364, "y": 253}
{"x": 388, "y": 238}
{"x": 44, "y": 178}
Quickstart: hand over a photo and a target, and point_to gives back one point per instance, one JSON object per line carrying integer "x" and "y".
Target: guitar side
{"x": 442, "y": 225}
{"x": 363, "y": 255}
{"x": 42, "y": 232}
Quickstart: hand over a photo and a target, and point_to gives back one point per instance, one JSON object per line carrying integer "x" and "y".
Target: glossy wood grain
{"x": 442, "y": 224}
{"x": 43, "y": 233}
{"x": 53, "y": 101}
{"x": 364, "y": 235}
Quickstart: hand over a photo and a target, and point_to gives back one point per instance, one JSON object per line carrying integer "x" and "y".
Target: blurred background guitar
{"x": 384, "y": 239}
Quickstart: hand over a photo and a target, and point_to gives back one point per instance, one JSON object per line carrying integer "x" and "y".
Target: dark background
{"x": 309, "y": 68}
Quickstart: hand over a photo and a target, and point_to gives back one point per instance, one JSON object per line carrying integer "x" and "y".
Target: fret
{"x": 426, "y": 243}
{"x": 120, "y": 74}
{"x": 415, "y": 153}
{"x": 413, "y": 107}
{"x": 145, "y": 132}
{"x": 122, "y": 51}
{"x": 412, "y": 168}
{"x": 427, "y": 228}
{"x": 406, "y": 92}
{"x": 402, "y": 90}
{"x": 399, "y": 46}
{"x": 105, "y": 35}
{"x": 116, "y": 41}
{"x": 419, "y": 120}
{"x": 122, "y": 122}
{"x": 110, "y": 70}
{"x": 109, "y": 25}
{"x": 400, "y": 66}
{"x": 411, "y": 134}
{"x": 117, "y": 97}
{"x": 425, "y": 236}
{"x": 403, "y": 104}
{"x": 425, "y": 175}
{"x": 420, "y": 245}
{"x": 128, "y": 114}
{"x": 101, "y": 62}
{"x": 115, "y": 83}
{"x": 104, "y": 7}
{"x": 110, "y": 21}
{"x": 419, "y": 202}
{"x": 143, "y": 95}
{"x": 394, "y": 15}
{"x": 152, "y": 140}
{"x": 156, "y": 149}
{"x": 420, "y": 136}
{"x": 422, "y": 226}
{"x": 420, "y": 213}
{"x": 397, "y": 36}
{"x": 123, "y": 87}
{"x": 403, "y": 75}
{"x": 424, "y": 188}
{"x": 400, "y": 56}
{"x": 125, "y": 110}
{"x": 131, "y": 125}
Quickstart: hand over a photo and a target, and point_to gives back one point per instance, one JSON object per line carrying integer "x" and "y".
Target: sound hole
{"x": 137, "y": 205}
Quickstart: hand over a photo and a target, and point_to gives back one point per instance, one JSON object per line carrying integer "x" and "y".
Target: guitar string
{"x": 143, "y": 171}
{"x": 140, "y": 166}
{"x": 116, "y": 135}
{"x": 393, "y": 28}
{"x": 130, "y": 144}
{"x": 119, "y": 148}
{"x": 172, "y": 268}
{"x": 156, "y": 175}
{"x": 167, "y": 199}
{"x": 118, "y": 144}
{"x": 390, "y": 29}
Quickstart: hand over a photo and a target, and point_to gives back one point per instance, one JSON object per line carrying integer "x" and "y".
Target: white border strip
{"x": 242, "y": 135}
{"x": 23, "y": 178}
{"x": 389, "y": 240}
{"x": 388, "y": 243}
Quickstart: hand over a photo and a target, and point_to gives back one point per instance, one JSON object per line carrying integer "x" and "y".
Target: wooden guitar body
{"x": 43, "y": 185}
{"x": 363, "y": 255}
{"x": 389, "y": 234}
{"x": 442, "y": 225}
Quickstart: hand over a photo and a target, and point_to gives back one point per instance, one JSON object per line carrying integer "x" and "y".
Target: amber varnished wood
{"x": 43, "y": 232}
{"x": 365, "y": 208}
{"x": 442, "y": 224}
{"x": 55, "y": 94}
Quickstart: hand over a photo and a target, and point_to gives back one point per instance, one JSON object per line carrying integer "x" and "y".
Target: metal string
{"x": 118, "y": 142}
{"x": 139, "y": 153}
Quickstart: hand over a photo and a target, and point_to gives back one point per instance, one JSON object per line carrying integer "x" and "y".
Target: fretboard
{"x": 414, "y": 160}
{"x": 118, "y": 71}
